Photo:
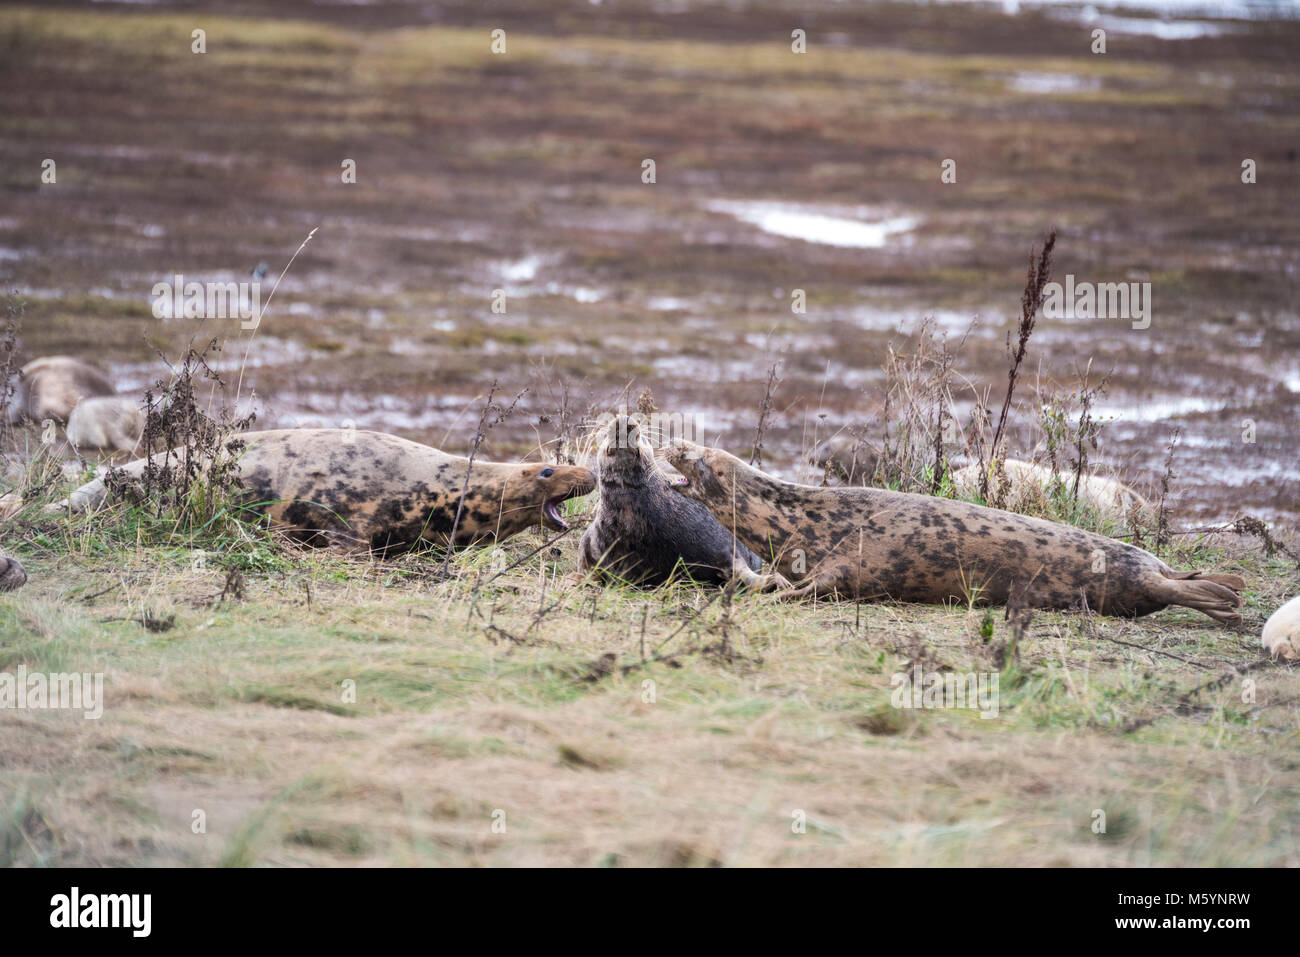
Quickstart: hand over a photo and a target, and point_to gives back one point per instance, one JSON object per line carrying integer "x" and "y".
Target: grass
{"x": 474, "y": 698}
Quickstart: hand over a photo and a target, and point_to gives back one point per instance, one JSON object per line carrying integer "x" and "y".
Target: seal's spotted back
{"x": 356, "y": 489}
{"x": 867, "y": 543}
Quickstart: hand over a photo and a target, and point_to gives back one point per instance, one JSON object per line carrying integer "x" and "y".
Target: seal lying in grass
{"x": 1106, "y": 496}
{"x": 51, "y": 387}
{"x": 12, "y": 574}
{"x": 867, "y": 543}
{"x": 846, "y": 459}
{"x": 356, "y": 489}
{"x": 643, "y": 534}
{"x": 109, "y": 425}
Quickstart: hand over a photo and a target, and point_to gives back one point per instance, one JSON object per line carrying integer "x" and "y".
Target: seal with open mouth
{"x": 867, "y": 543}
{"x": 643, "y": 534}
{"x": 355, "y": 489}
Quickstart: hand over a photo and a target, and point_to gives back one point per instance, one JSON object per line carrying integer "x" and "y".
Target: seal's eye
{"x": 546, "y": 473}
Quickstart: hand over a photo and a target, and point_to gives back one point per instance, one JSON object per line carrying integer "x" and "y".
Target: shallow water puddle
{"x": 1167, "y": 11}
{"x": 1052, "y": 83}
{"x": 1160, "y": 29}
{"x": 816, "y": 225}
{"x": 521, "y": 270}
{"x": 579, "y": 294}
{"x": 1157, "y": 410}
{"x": 908, "y": 319}
{"x": 1168, "y": 19}
{"x": 668, "y": 304}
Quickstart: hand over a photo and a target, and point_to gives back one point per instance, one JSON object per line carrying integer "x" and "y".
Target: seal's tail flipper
{"x": 1215, "y": 595}
{"x": 1235, "y": 582}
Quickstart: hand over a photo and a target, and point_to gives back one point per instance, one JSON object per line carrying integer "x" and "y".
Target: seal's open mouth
{"x": 552, "y": 511}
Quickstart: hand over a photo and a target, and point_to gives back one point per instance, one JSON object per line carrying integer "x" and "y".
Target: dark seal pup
{"x": 643, "y": 534}
{"x": 354, "y": 489}
{"x": 867, "y": 543}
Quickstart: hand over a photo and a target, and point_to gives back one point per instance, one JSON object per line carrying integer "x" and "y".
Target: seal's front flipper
{"x": 754, "y": 581}
{"x": 819, "y": 584}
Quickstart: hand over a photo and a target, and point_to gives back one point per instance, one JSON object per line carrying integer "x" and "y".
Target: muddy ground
{"x": 522, "y": 172}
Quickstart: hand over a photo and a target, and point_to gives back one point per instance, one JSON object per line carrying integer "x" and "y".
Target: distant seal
{"x": 355, "y": 489}
{"x": 51, "y": 387}
{"x": 1106, "y": 496}
{"x": 1282, "y": 631}
{"x": 643, "y": 534}
{"x": 846, "y": 459}
{"x": 867, "y": 543}
{"x": 12, "y": 573}
{"x": 106, "y": 425}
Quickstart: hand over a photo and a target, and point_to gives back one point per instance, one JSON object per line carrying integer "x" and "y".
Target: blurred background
{"x": 774, "y": 171}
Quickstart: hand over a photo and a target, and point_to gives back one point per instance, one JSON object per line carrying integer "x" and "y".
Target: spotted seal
{"x": 867, "y": 543}
{"x": 355, "y": 489}
{"x": 643, "y": 534}
{"x": 846, "y": 459}
{"x": 51, "y": 387}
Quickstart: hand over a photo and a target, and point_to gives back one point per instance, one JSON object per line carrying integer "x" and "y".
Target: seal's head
{"x": 550, "y": 486}
{"x": 52, "y": 386}
{"x": 626, "y": 456}
{"x": 707, "y": 474}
